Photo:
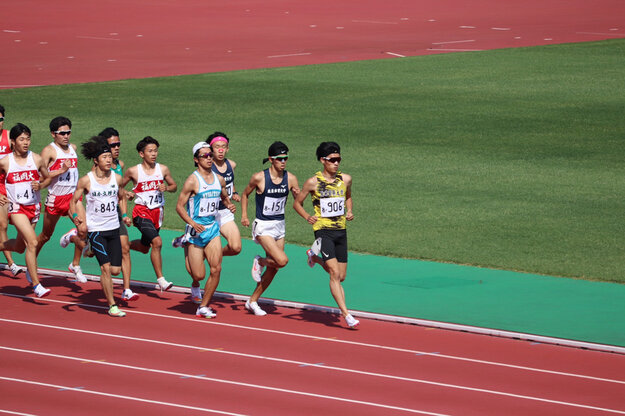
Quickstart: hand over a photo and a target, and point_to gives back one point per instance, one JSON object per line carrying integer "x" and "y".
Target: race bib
{"x": 274, "y": 206}
{"x": 229, "y": 188}
{"x": 208, "y": 207}
{"x": 332, "y": 207}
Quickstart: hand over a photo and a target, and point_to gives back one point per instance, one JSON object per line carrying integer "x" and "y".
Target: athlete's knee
{"x": 281, "y": 261}
{"x": 235, "y": 247}
{"x": 43, "y": 238}
{"x": 115, "y": 270}
{"x": 216, "y": 270}
{"x": 157, "y": 243}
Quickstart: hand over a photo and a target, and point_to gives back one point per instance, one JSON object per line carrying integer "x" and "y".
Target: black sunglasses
{"x": 281, "y": 158}
{"x": 63, "y": 133}
{"x": 1, "y": 119}
{"x": 115, "y": 144}
{"x": 333, "y": 159}
{"x": 206, "y": 155}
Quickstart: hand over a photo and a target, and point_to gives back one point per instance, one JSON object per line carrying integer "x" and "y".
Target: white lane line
{"x": 375, "y": 22}
{"x": 453, "y": 41}
{"x": 95, "y": 38}
{"x": 118, "y": 396}
{"x": 467, "y": 27}
{"x": 218, "y": 380}
{"x": 455, "y": 50}
{"x": 8, "y": 412}
{"x": 11, "y": 31}
{"x": 395, "y": 54}
{"x": 316, "y": 338}
{"x": 600, "y": 34}
{"x": 281, "y": 390}
{"x": 500, "y": 28}
{"x": 289, "y": 55}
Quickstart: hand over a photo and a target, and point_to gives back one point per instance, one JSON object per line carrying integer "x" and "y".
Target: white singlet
{"x": 64, "y": 184}
{"x": 18, "y": 181}
{"x": 102, "y": 203}
{"x": 146, "y": 190}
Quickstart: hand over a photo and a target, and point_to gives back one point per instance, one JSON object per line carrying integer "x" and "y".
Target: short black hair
{"x": 145, "y": 141}
{"x": 217, "y": 134}
{"x": 327, "y": 148}
{"x": 108, "y": 133}
{"x": 1, "y": 109}
{"x": 58, "y": 122}
{"x": 18, "y": 129}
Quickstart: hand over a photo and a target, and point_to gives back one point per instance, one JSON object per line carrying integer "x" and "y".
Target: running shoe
{"x": 116, "y": 312}
{"x": 205, "y": 312}
{"x": 351, "y": 321}
{"x": 311, "y": 256}
{"x": 196, "y": 295}
{"x": 179, "y": 241}
{"x": 66, "y": 238}
{"x": 163, "y": 284}
{"x": 316, "y": 246}
{"x": 253, "y": 307}
{"x": 129, "y": 295}
{"x": 80, "y": 278}
{"x": 87, "y": 251}
{"x": 257, "y": 269}
{"x": 15, "y": 269}
{"x": 41, "y": 291}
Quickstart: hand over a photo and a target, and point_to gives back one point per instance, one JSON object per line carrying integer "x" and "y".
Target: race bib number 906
{"x": 332, "y": 207}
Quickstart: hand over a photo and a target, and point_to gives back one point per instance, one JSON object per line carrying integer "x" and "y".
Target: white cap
{"x": 200, "y": 145}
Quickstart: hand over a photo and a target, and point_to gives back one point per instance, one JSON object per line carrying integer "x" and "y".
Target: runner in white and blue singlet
{"x": 198, "y": 204}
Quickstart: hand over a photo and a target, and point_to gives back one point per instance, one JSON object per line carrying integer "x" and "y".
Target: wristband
{"x": 124, "y": 215}
{"x": 74, "y": 215}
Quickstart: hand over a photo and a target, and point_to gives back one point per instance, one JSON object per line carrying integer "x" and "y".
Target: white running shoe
{"x": 196, "y": 295}
{"x": 66, "y": 238}
{"x": 311, "y": 256}
{"x": 163, "y": 284}
{"x": 41, "y": 291}
{"x": 115, "y": 312}
{"x": 129, "y": 295}
{"x": 15, "y": 269}
{"x": 80, "y": 278}
{"x": 257, "y": 269}
{"x": 316, "y": 246}
{"x": 253, "y": 307}
{"x": 205, "y": 312}
{"x": 351, "y": 321}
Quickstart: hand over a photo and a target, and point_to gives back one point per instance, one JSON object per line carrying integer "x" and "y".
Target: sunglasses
{"x": 281, "y": 158}
{"x": 1, "y": 119}
{"x": 63, "y": 133}
{"x": 333, "y": 159}
{"x": 206, "y": 155}
{"x": 115, "y": 144}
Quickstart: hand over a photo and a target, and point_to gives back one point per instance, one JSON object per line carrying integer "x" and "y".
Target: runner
{"x": 151, "y": 179}
{"x": 331, "y": 195}
{"x": 101, "y": 190}
{"x": 272, "y": 187}
{"x": 198, "y": 205}
{"x": 220, "y": 144}
{"x": 5, "y": 149}
{"x": 25, "y": 175}
{"x": 112, "y": 137}
{"x": 61, "y": 159}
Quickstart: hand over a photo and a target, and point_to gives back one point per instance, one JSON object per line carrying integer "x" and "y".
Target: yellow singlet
{"x": 329, "y": 203}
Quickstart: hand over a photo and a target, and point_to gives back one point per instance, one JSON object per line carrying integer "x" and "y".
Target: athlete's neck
{"x": 148, "y": 165}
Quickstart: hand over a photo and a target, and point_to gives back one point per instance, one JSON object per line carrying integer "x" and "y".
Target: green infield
{"x": 508, "y": 159}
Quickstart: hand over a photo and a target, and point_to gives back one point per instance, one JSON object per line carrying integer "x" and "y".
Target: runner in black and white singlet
{"x": 272, "y": 187}
{"x": 101, "y": 190}
{"x": 26, "y": 175}
{"x": 62, "y": 161}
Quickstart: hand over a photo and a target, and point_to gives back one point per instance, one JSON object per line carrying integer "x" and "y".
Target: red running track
{"x": 63, "y": 355}
{"x": 45, "y": 43}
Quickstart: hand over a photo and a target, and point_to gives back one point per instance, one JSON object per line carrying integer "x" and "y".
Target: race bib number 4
{"x": 274, "y": 206}
{"x": 332, "y": 207}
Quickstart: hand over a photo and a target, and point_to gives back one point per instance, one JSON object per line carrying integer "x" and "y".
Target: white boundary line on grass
{"x": 371, "y": 315}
